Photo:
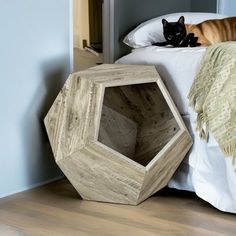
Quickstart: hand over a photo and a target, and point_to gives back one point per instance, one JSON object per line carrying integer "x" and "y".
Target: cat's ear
{"x": 181, "y": 20}
{"x": 164, "y": 22}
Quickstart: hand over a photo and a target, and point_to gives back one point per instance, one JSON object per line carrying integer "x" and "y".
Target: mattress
{"x": 204, "y": 170}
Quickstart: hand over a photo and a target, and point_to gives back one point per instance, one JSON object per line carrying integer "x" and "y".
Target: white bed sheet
{"x": 205, "y": 170}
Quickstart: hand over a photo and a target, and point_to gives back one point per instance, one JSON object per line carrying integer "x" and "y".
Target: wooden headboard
{"x": 125, "y": 15}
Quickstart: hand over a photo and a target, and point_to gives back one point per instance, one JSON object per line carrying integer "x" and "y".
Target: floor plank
{"x": 84, "y": 59}
{"x": 56, "y": 209}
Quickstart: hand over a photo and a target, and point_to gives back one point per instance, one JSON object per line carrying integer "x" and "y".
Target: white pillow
{"x": 151, "y": 31}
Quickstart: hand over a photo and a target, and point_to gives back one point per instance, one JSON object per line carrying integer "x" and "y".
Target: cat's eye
{"x": 178, "y": 33}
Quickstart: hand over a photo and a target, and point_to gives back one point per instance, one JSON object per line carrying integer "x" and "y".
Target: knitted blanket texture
{"x": 213, "y": 96}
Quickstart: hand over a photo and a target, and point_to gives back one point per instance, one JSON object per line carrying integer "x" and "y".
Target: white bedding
{"x": 205, "y": 170}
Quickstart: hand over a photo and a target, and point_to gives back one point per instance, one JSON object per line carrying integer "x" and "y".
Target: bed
{"x": 205, "y": 170}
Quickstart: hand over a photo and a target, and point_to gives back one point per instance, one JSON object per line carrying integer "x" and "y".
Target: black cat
{"x": 176, "y": 35}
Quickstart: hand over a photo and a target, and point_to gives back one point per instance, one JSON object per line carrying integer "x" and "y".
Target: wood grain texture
{"x": 124, "y": 130}
{"x": 57, "y": 210}
{"x": 165, "y": 165}
{"x": 7, "y": 230}
{"x": 110, "y": 126}
{"x": 145, "y": 105}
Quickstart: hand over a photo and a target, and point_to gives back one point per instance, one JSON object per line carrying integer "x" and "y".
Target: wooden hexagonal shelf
{"x": 116, "y": 133}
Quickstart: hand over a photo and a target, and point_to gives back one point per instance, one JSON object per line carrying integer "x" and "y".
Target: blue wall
{"x": 204, "y": 5}
{"x": 227, "y": 7}
{"x": 34, "y": 62}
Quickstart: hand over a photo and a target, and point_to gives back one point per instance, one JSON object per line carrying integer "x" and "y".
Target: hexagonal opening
{"x": 136, "y": 121}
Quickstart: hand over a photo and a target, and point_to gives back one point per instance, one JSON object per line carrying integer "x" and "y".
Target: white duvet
{"x": 205, "y": 170}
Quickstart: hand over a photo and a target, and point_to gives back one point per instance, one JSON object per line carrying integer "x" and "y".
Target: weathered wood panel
{"x": 122, "y": 157}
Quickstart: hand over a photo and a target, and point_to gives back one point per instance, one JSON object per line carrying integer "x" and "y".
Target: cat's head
{"x": 174, "y": 32}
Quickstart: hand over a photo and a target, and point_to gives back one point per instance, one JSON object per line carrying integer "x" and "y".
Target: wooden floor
{"x": 57, "y": 210}
{"x": 84, "y": 59}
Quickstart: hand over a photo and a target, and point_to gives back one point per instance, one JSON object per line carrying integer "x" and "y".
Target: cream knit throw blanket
{"x": 213, "y": 96}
